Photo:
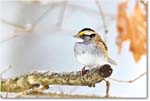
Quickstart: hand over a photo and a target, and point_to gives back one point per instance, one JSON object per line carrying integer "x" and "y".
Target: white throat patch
{"x": 80, "y": 40}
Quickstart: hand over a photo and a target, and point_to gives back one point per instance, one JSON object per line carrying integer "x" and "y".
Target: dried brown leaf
{"x": 132, "y": 27}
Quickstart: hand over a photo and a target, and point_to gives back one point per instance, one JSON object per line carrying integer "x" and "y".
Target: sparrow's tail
{"x": 111, "y": 61}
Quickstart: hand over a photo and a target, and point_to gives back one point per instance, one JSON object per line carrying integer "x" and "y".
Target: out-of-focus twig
{"x": 144, "y": 2}
{"x": 23, "y": 28}
{"x": 9, "y": 38}
{"x": 62, "y": 15}
{"x": 128, "y": 81}
{"x": 102, "y": 16}
{"x": 36, "y": 21}
{"x": 5, "y": 70}
{"x": 17, "y": 30}
{"x": 38, "y": 89}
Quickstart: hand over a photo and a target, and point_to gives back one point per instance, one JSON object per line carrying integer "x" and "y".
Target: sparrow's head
{"x": 86, "y": 34}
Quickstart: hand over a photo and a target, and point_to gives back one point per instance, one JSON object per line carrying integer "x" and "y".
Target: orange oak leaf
{"x": 132, "y": 27}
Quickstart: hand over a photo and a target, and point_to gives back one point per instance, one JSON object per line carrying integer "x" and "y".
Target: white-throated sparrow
{"x": 90, "y": 50}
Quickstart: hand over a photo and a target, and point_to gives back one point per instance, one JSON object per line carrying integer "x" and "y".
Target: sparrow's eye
{"x": 92, "y": 35}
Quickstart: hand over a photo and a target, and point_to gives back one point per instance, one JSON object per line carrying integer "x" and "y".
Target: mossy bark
{"x": 27, "y": 81}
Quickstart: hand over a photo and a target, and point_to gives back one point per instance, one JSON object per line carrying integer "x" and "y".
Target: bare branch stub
{"x": 26, "y": 81}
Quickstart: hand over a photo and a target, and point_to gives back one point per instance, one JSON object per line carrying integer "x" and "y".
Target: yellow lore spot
{"x": 81, "y": 33}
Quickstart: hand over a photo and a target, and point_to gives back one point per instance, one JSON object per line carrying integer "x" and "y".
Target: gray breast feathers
{"x": 90, "y": 48}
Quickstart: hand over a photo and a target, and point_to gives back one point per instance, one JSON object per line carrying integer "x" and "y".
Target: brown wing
{"x": 100, "y": 44}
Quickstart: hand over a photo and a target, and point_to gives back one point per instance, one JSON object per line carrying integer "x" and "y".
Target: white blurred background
{"x": 49, "y": 46}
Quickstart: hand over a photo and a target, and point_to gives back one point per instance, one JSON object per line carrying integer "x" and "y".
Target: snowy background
{"x": 50, "y": 45}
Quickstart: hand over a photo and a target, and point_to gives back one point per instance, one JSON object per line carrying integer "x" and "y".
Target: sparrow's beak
{"x": 76, "y": 36}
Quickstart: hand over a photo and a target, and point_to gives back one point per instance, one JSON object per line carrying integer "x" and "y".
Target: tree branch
{"x": 36, "y": 78}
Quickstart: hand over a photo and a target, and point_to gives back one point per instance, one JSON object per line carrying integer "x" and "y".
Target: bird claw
{"x": 82, "y": 71}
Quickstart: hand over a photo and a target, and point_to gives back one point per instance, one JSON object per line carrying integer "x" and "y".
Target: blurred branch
{"x": 16, "y": 33}
{"x": 9, "y": 38}
{"x": 62, "y": 15}
{"x": 74, "y": 7}
{"x": 12, "y": 24}
{"x": 144, "y": 2}
{"x": 5, "y": 70}
{"x": 129, "y": 81}
{"x": 17, "y": 29}
{"x": 27, "y": 28}
{"x": 102, "y": 16}
{"x": 23, "y": 28}
{"x": 36, "y": 79}
{"x": 34, "y": 23}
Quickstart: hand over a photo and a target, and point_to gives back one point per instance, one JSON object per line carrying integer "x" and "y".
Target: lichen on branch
{"x": 28, "y": 80}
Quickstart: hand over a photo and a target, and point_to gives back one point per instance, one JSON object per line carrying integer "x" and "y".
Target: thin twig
{"x": 38, "y": 89}
{"x": 12, "y": 24}
{"x": 5, "y": 70}
{"x": 18, "y": 29}
{"x": 35, "y": 22}
{"x": 24, "y": 28}
{"x": 9, "y": 38}
{"x": 144, "y": 2}
{"x": 62, "y": 15}
{"x": 102, "y": 16}
{"x": 107, "y": 87}
{"x": 128, "y": 81}
{"x": 6, "y": 95}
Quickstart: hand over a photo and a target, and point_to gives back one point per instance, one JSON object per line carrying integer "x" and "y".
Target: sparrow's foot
{"x": 83, "y": 71}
